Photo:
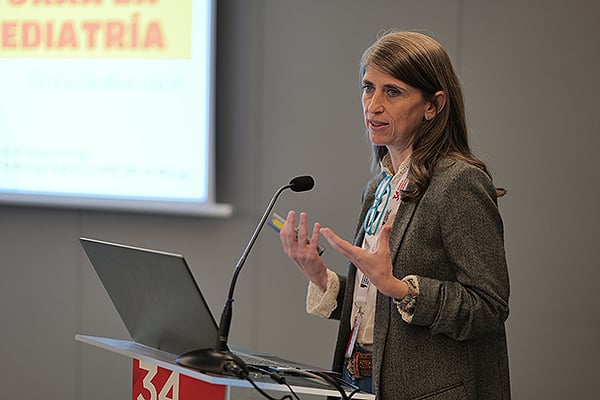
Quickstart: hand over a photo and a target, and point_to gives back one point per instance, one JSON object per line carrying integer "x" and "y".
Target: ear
{"x": 433, "y": 107}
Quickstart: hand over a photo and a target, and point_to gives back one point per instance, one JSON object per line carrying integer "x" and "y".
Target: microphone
{"x": 302, "y": 183}
{"x": 219, "y": 360}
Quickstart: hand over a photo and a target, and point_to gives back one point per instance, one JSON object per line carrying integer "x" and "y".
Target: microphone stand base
{"x": 213, "y": 361}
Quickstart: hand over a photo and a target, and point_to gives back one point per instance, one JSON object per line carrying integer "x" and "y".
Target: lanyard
{"x": 375, "y": 213}
{"x": 378, "y": 214}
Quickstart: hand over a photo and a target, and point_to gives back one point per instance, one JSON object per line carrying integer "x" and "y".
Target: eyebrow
{"x": 385, "y": 86}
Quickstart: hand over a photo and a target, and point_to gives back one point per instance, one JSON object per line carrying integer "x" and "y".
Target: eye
{"x": 367, "y": 88}
{"x": 393, "y": 92}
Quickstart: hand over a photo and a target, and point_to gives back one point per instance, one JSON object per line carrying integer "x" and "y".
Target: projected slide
{"x": 106, "y": 100}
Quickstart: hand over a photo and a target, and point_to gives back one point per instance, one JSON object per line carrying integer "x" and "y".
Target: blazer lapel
{"x": 368, "y": 197}
{"x": 403, "y": 217}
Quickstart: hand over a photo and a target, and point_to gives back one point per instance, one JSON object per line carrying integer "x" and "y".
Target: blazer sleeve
{"x": 472, "y": 234}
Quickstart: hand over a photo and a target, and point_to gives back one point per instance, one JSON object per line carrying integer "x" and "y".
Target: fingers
{"x": 331, "y": 237}
{"x": 373, "y": 263}
{"x": 302, "y": 228}
{"x": 287, "y": 234}
{"x": 340, "y": 245}
{"x": 295, "y": 240}
{"x": 302, "y": 251}
{"x": 316, "y": 235}
{"x": 384, "y": 240}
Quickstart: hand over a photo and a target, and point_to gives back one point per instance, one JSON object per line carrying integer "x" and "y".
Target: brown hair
{"x": 422, "y": 62}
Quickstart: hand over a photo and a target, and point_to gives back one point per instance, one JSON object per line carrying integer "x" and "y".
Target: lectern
{"x": 156, "y": 376}
{"x": 167, "y": 316}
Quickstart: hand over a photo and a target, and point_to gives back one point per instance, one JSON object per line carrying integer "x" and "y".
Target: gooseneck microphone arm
{"x": 226, "y": 315}
{"x": 220, "y": 360}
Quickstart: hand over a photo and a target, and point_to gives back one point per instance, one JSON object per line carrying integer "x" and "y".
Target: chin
{"x": 377, "y": 140}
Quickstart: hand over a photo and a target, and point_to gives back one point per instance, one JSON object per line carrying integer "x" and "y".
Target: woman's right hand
{"x": 304, "y": 252}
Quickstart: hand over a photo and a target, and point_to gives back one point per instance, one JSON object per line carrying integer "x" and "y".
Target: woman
{"x": 425, "y": 298}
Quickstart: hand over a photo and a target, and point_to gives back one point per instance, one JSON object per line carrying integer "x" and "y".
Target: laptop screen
{"x": 155, "y": 294}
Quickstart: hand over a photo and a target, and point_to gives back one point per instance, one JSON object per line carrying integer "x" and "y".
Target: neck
{"x": 398, "y": 157}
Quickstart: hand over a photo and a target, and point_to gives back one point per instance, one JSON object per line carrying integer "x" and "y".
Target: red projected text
{"x": 111, "y": 34}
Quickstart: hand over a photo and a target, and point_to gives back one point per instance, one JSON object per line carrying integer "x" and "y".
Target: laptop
{"x": 160, "y": 303}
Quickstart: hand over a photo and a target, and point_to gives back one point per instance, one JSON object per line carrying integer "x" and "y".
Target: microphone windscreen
{"x": 302, "y": 183}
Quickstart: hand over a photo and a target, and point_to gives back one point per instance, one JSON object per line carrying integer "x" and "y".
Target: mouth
{"x": 376, "y": 125}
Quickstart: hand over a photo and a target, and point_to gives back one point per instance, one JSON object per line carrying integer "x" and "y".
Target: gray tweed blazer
{"x": 455, "y": 347}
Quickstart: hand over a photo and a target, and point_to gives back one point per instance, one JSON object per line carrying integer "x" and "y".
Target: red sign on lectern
{"x": 152, "y": 382}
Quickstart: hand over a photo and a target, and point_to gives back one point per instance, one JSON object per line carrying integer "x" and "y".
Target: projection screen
{"x": 108, "y": 105}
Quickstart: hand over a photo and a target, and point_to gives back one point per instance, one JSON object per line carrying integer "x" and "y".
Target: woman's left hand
{"x": 376, "y": 265}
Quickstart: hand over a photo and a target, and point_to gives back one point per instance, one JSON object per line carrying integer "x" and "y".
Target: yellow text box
{"x": 95, "y": 29}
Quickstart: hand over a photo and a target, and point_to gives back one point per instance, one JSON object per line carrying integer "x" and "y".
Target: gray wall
{"x": 288, "y": 102}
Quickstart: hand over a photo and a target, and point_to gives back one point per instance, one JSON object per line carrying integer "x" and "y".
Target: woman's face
{"x": 393, "y": 110}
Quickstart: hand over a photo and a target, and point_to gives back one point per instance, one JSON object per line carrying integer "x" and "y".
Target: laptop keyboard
{"x": 251, "y": 359}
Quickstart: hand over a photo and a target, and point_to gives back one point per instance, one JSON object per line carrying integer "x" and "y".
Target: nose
{"x": 374, "y": 104}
